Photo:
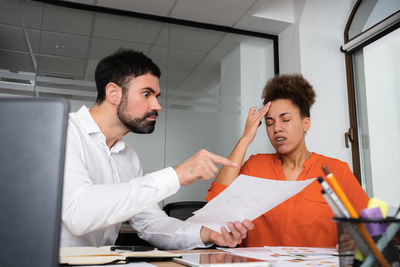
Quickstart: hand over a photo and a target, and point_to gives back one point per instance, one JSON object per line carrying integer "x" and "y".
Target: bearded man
{"x": 104, "y": 184}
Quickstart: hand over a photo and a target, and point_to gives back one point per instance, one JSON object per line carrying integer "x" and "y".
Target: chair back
{"x": 184, "y": 209}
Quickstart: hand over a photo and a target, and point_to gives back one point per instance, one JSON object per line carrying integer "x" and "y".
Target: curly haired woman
{"x": 305, "y": 219}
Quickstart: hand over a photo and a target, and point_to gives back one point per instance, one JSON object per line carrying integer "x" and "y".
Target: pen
{"x": 331, "y": 204}
{"x": 131, "y": 248}
{"x": 338, "y": 204}
{"x": 259, "y": 106}
{"x": 353, "y": 213}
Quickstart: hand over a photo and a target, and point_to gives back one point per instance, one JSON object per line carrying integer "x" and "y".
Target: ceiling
{"x": 64, "y": 45}
{"x": 264, "y": 16}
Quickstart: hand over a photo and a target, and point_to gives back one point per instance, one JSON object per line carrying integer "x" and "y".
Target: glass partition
{"x": 209, "y": 79}
{"x": 20, "y": 24}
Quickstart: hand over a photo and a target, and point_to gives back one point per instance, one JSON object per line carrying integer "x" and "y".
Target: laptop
{"x": 33, "y": 136}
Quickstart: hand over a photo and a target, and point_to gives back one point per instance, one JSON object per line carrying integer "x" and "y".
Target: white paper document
{"x": 290, "y": 256}
{"x": 246, "y": 198}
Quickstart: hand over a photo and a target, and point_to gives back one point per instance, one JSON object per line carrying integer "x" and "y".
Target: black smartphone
{"x": 132, "y": 248}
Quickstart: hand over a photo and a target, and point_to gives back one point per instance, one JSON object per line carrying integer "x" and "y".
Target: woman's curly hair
{"x": 292, "y": 87}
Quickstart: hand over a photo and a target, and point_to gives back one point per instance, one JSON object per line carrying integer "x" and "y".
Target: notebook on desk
{"x": 33, "y": 135}
{"x": 107, "y": 255}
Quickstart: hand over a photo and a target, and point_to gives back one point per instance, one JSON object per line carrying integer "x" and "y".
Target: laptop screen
{"x": 33, "y": 134}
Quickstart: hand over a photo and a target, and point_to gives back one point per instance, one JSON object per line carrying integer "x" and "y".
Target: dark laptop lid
{"x": 32, "y": 133}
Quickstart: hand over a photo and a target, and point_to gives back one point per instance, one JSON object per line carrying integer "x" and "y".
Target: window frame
{"x": 352, "y": 134}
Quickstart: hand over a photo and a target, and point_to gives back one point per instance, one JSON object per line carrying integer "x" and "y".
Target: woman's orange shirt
{"x": 305, "y": 219}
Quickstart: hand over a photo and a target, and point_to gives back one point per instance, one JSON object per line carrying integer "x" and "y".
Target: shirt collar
{"x": 310, "y": 161}
{"x": 307, "y": 164}
{"x": 91, "y": 127}
{"x": 87, "y": 121}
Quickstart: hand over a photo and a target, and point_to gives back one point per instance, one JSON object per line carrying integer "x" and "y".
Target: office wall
{"x": 289, "y": 42}
{"x": 311, "y": 46}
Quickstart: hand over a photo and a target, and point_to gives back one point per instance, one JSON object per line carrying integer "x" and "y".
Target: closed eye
{"x": 269, "y": 123}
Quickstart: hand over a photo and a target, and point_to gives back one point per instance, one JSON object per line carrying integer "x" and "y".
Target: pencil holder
{"x": 384, "y": 232}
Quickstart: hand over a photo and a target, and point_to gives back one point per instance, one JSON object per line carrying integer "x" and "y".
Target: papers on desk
{"x": 103, "y": 255}
{"x": 290, "y": 256}
{"x": 246, "y": 198}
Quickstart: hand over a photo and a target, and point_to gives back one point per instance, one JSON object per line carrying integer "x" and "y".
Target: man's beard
{"x": 136, "y": 125}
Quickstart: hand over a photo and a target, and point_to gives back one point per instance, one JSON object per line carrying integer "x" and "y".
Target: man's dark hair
{"x": 120, "y": 67}
{"x": 292, "y": 87}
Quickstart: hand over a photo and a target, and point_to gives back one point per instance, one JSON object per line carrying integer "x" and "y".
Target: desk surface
{"x": 279, "y": 256}
{"x": 172, "y": 263}
{"x": 319, "y": 256}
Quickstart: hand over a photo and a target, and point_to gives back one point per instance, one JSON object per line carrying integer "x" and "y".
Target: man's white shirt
{"x": 104, "y": 187}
